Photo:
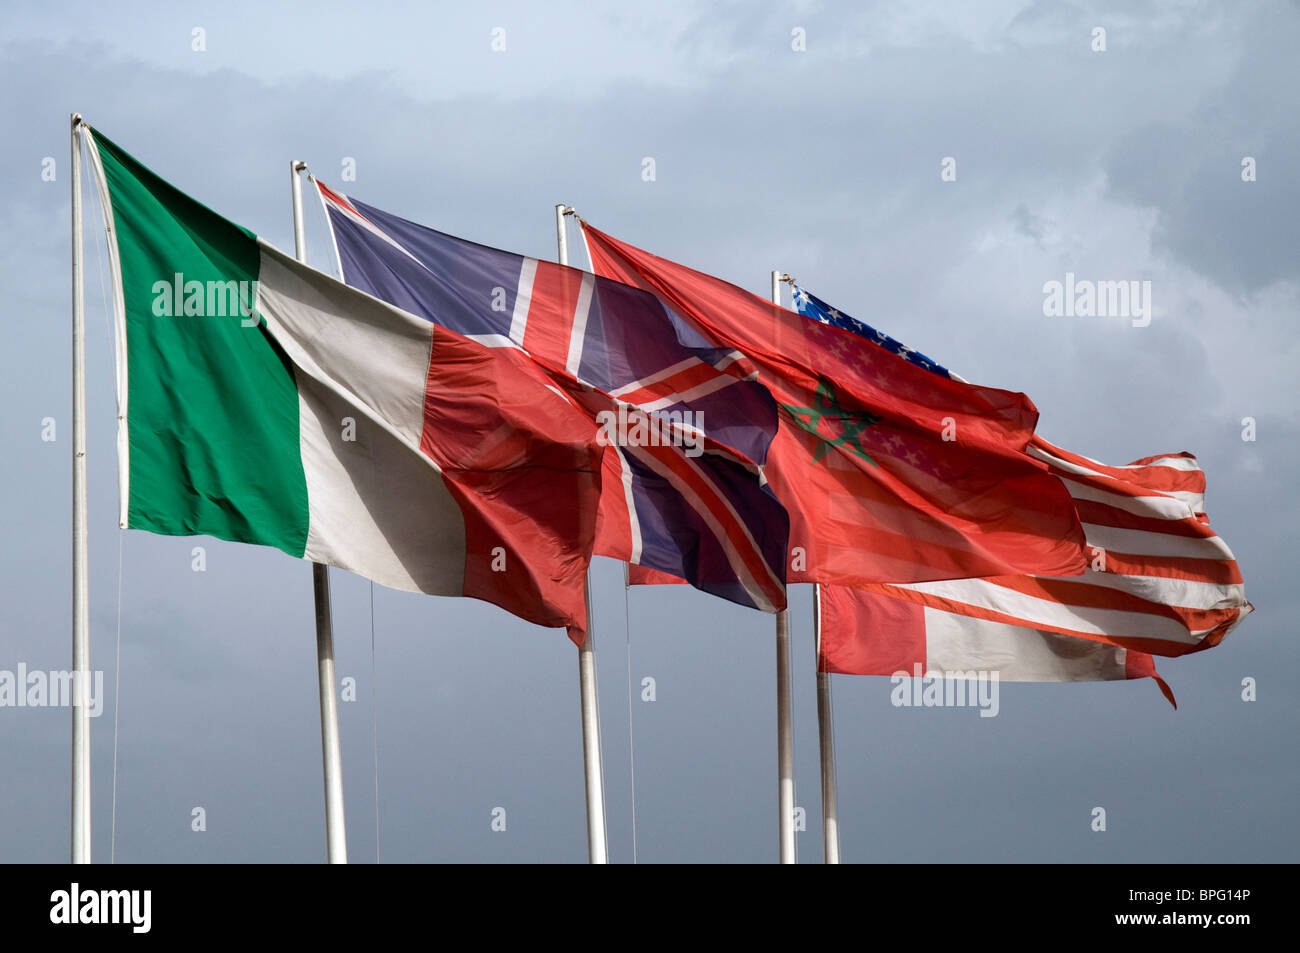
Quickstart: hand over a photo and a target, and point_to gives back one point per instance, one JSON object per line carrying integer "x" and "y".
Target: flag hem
{"x": 120, "y": 381}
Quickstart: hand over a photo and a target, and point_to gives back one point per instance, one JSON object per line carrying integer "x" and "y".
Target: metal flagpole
{"x": 336, "y": 841}
{"x": 784, "y": 730}
{"x": 80, "y": 548}
{"x": 825, "y": 723}
{"x": 593, "y": 770}
{"x": 825, "y": 742}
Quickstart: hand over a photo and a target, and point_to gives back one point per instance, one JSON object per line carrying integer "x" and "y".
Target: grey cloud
{"x": 825, "y": 164}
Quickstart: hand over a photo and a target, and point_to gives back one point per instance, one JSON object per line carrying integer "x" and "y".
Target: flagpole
{"x": 825, "y": 742}
{"x": 784, "y": 730}
{"x": 593, "y": 771}
{"x": 825, "y": 723}
{"x": 80, "y": 547}
{"x": 336, "y": 843}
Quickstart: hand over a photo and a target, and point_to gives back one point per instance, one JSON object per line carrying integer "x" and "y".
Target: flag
{"x": 869, "y": 632}
{"x": 693, "y": 504}
{"x": 263, "y": 402}
{"x": 810, "y": 306}
{"x": 1159, "y": 580}
{"x": 890, "y": 473}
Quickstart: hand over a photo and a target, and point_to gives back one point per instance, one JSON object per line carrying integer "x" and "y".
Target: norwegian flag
{"x": 683, "y": 490}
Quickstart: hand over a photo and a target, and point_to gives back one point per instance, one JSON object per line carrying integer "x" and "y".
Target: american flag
{"x": 810, "y": 306}
{"x": 1160, "y": 581}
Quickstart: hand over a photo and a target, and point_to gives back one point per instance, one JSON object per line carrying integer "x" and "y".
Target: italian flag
{"x": 263, "y": 402}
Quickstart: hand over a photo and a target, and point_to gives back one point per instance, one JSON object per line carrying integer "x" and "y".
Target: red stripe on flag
{"x": 1163, "y": 647}
{"x": 1069, "y": 592}
{"x": 550, "y": 313}
{"x": 1102, "y": 514}
{"x": 336, "y": 198}
{"x": 507, "y": 445}
{"x": 1221, "y": 571}
{"x": 613, "y": 520}
{"x": 899, "y": 627}
{"x": 685, "y": 379}
{"x": 1140, "y": 475}
{"x": 1142, "y": 665}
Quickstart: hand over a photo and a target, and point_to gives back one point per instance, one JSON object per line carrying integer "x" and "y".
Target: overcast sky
{"x": 1117, "y": 165}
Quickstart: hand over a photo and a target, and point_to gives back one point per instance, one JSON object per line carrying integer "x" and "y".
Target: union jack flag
{"x": 683, "y": 489}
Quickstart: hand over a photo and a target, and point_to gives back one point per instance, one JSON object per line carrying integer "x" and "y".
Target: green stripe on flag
{"x": 212, "y": 405}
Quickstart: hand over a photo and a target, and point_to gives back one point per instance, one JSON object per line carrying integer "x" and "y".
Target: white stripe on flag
{"x": 1173, "y": 463}
{"x": 694, "y": 393}
{"x": 493, "y": 340}
{"x": 633, "y": 521}
{"x": 1160, "y": 507}
{"x": 366, "y": 224}
{"x": 1146, "y": 543}
{"x": 523, "y": 299}
{"x": 355, "y": 356}
{"x": 1193, "y": 500}
{"x": 1033, "y": 611}
{"x": 957, "y": 644}
{"x": 579, "y": 330}
{"x": 1164, "y": 591}
{"x": 656, "y": 377}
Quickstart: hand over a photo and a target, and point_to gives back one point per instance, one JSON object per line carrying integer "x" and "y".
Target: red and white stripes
{"x": 1159, "y": 580}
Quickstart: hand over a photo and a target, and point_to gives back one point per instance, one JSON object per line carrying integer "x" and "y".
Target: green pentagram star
{"x": 826, "y": 406}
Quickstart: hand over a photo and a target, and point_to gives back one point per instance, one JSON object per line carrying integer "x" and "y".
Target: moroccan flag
{"x": 682, "y": 491}
{"x": 1159, "y": 580}
{"x": 263, "y": 402}
{"x": 890, "y": 473}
